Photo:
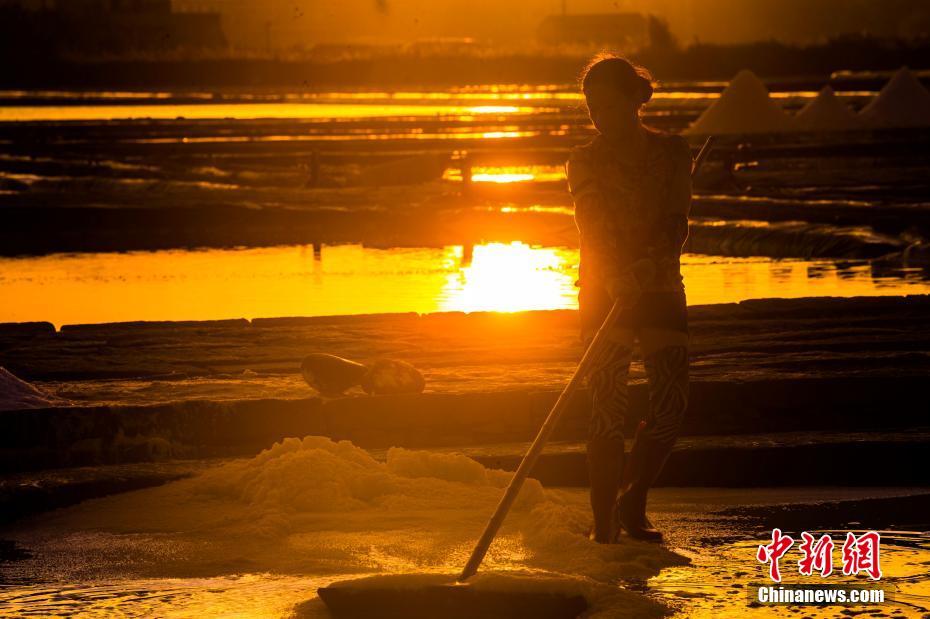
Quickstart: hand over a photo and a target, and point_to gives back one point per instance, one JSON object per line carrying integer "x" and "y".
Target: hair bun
{"x": 646, "y": 89}
{"x": 631, "y": 80}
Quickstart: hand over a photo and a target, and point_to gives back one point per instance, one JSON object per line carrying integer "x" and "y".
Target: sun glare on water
{"x": 510, "y": 174}
{"x": 511, "y": 278}
{"x": 513, "y": 177}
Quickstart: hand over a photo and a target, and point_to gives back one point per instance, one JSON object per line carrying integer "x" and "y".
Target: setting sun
{"x": 511, "y": 278}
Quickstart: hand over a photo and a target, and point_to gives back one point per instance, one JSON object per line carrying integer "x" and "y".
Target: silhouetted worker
{"x": 632, "y": 191}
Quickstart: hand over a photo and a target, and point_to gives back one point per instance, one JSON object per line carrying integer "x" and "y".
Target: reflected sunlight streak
{"x": 511, "y": 278}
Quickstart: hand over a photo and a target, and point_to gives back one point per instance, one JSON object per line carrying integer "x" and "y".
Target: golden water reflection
{"x": 352, "y": 279}
{"x": 722, "y": 584}
{"x": 244, "y": 111}
{"x": 510, "y": 174}
{"x": 481, "y": 92}
{"x": 349, "y": 136}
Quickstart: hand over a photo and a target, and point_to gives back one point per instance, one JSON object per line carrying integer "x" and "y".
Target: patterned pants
{"x": 667, "y": 372}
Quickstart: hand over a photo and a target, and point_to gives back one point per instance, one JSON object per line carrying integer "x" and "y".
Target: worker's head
{"x": 615, "y": 91}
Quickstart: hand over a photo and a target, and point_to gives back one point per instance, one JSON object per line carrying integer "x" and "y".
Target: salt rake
{"x": 459, "y": 600}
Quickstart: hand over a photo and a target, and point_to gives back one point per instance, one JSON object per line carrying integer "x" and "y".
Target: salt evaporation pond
{"x": 482, "y": 99}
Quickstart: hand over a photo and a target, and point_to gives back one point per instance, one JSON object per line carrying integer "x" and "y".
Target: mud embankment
{"x": 775, "y": 366}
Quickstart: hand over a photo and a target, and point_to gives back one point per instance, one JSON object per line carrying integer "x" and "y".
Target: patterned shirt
{"x": 630, "y": 206}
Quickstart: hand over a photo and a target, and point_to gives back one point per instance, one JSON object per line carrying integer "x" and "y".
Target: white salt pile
{"x": 315, "y": 507}
{"x": 744, "y": 107}
{"x": 317, "y": 475}
{"x": 825, "y": 113}
{"x": 903, "y": 102}
{"x": 17, "y": 394}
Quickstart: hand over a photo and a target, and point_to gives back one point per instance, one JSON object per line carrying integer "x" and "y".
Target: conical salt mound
{"x": 825, "y": 113}
{"x": 903, "y": 102}
{"x": 744, "y": 107}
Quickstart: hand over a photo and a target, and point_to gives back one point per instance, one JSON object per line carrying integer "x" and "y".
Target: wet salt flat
{"x": 705, "y": 589}
{"x": 239, "y": 595}
{"x": 312, "y": 508}
{"x": 353, "y": 279}
{"x": 255, "y": 538}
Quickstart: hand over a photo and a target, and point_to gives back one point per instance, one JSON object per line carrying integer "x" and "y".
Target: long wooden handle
{"x": 532, "y": 454}
{"x": 702, "y": 154}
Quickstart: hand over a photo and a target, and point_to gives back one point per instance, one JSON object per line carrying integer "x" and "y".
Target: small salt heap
{"x": 825, "y": 113}
{"x": 903, "y": 102}
{"x": 744, "y": 107}
{"x": 17, "y": 394}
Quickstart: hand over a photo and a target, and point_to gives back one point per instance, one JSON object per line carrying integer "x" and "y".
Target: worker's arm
{"x": 598, "y": 233}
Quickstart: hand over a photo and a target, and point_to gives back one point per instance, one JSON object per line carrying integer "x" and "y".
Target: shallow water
{"x": 246, "y": 111}
{"x": 238, "y": 595}
{"x": 353, "y": 279}
{"x": 505, "y": 99}
{"x": 711, "y": 588}
{"x": 723, "y": 583}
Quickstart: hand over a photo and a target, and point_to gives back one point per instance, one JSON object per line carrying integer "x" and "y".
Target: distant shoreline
{"x": 771, "y": 60}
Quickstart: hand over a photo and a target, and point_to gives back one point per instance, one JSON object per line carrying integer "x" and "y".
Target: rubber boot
{"x": 605, "y": 470}
{"x": 646, "y": 461}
